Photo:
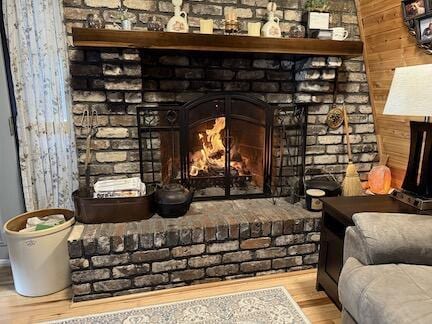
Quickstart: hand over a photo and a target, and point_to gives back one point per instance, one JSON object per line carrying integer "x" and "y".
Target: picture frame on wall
{"x": 415, "y": 8}
{"x": 424, "y": 29}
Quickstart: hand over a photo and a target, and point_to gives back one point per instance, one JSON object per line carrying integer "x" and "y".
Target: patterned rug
{"x": 272, "y": 305}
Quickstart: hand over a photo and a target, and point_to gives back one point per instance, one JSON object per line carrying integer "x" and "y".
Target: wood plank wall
{"x": 388, "y": 45}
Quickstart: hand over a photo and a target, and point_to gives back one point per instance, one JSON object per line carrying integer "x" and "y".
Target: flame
{"x": 212, "y": 153}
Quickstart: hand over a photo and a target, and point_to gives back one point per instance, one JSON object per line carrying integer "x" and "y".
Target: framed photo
{"x": 414, "y": 8}
{"x": 424, "y": 29}
{"x": 319, "y": 20}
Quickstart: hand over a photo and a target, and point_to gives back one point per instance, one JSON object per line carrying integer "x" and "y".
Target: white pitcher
{"x": 271, "y": 28}
{"x": 178, "y": 23}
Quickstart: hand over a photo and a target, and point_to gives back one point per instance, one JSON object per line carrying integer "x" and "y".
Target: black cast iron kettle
{"x": 173, "y": 200}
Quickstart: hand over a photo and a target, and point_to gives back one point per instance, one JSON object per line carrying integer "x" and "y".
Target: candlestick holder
{"x": 232, "y": 27}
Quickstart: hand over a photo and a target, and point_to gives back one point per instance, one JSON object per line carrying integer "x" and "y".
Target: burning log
{"x": 211, "y": 157}
{"x": 212, "y": 154}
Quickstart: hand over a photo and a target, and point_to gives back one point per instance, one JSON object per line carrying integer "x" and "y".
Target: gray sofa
{"x": 387, "y": 273}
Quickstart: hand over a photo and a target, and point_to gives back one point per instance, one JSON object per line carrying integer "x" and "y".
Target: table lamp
{"x": 410, "y": 95}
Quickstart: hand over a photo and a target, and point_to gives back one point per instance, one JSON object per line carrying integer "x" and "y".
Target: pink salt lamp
{"x": 379, "y": 180}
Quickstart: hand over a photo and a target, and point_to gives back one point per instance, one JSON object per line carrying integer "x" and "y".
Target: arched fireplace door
{"x": 226, "y": 146}
{"x": 219, "y": 145}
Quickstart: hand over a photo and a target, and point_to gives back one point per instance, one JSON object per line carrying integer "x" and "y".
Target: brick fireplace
{"x": 216, "y": 240}
{"x": 116, "y": 81}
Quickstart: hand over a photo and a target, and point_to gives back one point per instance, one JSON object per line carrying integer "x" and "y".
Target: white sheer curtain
{"x": 38, "y": 50}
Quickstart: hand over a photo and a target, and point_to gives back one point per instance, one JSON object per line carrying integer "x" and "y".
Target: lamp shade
{"x": 411, "y": 92}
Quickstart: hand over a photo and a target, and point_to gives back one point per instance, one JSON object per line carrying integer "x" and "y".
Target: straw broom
{"x": 351, "y": 184}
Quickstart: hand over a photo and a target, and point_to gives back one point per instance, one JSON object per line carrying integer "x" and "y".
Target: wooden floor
{"x": 301, "y": 285}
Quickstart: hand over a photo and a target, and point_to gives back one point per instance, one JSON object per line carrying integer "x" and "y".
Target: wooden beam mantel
{"x": 86, "y": 37}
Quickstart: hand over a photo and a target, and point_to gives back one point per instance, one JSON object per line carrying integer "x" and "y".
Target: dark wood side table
{"x": 336, "y": 217}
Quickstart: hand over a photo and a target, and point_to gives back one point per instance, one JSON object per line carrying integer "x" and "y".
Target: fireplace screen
{"x": 226, "y": 146}
{"x": 220, "y": 146}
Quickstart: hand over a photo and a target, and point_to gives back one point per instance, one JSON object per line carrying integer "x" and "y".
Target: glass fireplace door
{"x": 206, "y": 158}
{"x": 227, "y": 147}
{"x": 247, "y": 142}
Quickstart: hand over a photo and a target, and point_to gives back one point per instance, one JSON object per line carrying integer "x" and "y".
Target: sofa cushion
{"x": 391, "y": 293}
{"x": 395, "y": 238}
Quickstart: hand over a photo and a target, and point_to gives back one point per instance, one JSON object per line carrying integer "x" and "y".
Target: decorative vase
{"x": 178, "y": 23}
{"x": 271, "y": 28}
{"x": 126, "y": 24}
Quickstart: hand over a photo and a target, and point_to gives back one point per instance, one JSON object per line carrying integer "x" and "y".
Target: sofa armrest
{"x": 354, "y": 246}
{"x": 392, "y": 238}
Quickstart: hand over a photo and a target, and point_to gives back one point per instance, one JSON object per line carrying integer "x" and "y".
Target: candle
{"x": 206, "y": 26}
{"x": 254, "y": 29}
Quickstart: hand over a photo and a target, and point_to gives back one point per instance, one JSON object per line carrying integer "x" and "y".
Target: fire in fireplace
{"x": 208, "y": 160}
{"x": 222, "y": 146}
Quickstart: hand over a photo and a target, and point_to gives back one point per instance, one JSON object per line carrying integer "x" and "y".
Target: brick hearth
{"x": 215, "y": 241}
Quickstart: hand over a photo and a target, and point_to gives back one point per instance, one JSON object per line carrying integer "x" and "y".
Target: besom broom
{"x": 351, "y": 184}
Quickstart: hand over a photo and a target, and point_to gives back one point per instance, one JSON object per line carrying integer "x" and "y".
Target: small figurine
{"x": 125, "y": 22}
{"x": 93, "y": 21}
{"x": 271, "y": 28}
{"x": 178, "y": 23}
{"x": 155, "y": 24}
{"x": 297, "y": 31}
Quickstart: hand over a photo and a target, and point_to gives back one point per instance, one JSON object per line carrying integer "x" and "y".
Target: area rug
{"x": 272, "y": 305}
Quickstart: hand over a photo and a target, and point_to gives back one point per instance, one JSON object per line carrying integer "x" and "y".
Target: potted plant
{"x": 317, "y": 15}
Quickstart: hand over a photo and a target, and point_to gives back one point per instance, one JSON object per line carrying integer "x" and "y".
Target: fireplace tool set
{"x": 90, "y": 124}
{"x": 91, "y": 210}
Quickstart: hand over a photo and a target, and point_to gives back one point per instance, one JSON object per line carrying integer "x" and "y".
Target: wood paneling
{"x": 87, "y": 37}
{"x": 388, "y": 45}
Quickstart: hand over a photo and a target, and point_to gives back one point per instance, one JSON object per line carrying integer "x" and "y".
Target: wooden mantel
{"x": 85, "y": 37}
